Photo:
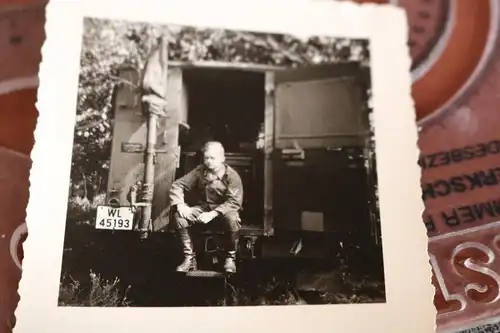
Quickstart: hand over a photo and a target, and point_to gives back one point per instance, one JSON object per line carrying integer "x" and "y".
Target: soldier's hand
{"x": 184, "y": 211}
{"x": 207, "y": 217}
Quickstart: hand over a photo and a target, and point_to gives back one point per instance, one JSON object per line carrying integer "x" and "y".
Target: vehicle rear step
{"x": 205, "y": 274}
{"x": 246, "y": 230}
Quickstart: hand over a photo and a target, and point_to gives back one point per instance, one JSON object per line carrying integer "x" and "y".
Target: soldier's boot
{"x": 189, "y": 262}
{"x": 230, "y": 246}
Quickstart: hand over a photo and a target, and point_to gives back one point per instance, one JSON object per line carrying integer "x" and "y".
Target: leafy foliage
{"x": 107, "y": 45}
{"x": 101, "y": 293}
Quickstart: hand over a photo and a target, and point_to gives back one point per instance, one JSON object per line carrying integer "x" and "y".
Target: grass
{"x": 111, "y": 293}
{"x": 102, "y": 269}
{"x": 100, "y": 293}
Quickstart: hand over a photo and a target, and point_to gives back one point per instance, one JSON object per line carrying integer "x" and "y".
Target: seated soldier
{"x": 218, "y": 196}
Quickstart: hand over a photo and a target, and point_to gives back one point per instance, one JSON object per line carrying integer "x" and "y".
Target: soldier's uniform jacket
{"x": 222, "y": 192}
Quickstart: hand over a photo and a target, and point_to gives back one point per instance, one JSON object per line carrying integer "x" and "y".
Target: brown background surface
{"x": 21, "y": 37}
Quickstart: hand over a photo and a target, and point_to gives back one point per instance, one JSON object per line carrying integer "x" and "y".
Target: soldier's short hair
{"x": 213, "y": 144}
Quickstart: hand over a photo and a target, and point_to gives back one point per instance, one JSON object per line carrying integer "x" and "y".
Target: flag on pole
{"x": 154, "y": 80}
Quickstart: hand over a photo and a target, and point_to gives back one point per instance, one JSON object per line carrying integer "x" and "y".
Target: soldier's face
{"x": 213, "y": 158}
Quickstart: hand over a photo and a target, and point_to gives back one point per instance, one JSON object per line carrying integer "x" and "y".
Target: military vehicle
{"x": 300, "y": 139}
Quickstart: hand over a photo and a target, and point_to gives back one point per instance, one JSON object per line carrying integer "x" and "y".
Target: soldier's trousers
{"x": 229, "y": 222}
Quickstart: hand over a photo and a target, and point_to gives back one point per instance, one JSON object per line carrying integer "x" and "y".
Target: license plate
{"x": 114, "y": 218}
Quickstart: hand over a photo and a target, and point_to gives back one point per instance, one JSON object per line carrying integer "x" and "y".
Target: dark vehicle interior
{"x": 228, "y": 106}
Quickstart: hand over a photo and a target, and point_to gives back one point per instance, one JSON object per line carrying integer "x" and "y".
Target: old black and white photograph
{"x": 217, "y": 167}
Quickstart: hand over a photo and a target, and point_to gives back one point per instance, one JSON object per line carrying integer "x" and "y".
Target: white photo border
{"x": 409, "y": 306}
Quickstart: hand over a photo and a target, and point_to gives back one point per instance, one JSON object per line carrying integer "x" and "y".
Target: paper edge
{"x": 44, "y": 72}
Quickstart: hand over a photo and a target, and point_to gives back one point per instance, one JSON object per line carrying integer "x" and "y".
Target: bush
{"x": 81, "y": 209}
{"x": 100, "y": 292}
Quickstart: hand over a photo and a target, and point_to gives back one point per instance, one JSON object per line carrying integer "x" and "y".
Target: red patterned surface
{"x": 465, "y": 141}
{"x": 21, "y": 37}
{"x": 467, "y": 275}
{"x": 461, "y": 173}
{"x": 20, "y": 42}
{"x": 14, "y": 193}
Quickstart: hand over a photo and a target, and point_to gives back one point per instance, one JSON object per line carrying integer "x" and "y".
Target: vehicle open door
{"x": 317, "y": 167}
{"x": 129, "y": 135}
